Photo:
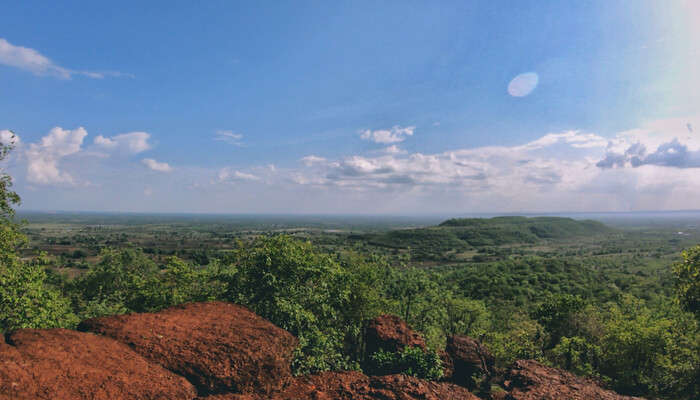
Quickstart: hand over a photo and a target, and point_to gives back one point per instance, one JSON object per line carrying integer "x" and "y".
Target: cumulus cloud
{"x": 131, "y": 143}
{"x": 31, "y": 60}
{"x": 521, "y": 167}
{"x": 394, "y": 135}
{"x": 229, "y": 137}
{"x": 43, "y": 157}
{"x": 156, "y": 166}
{"x": 668, "y": 143}
{"x": 557, "y": 171}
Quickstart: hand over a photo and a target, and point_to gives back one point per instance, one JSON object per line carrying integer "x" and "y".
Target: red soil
{"x": 219, "y": 347}
{"x": 62, "y": 364}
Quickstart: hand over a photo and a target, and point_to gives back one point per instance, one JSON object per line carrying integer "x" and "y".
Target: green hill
{"x": 507, "y": 230}
{"x": 460, "y": 234}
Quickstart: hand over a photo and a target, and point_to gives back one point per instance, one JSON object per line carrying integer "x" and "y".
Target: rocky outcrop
{"x": 390, "y": 333}
{"x": 221, "y": 351}
{"x": 467, "y": 359}
{"x": 530, "y": 380}
{"x": 219, "y": 347}
{"x": 354, "y": 385}
{"x": 63, "y": 364}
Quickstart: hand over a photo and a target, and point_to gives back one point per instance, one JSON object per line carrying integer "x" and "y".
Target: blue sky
{"x": 352, "y": 107}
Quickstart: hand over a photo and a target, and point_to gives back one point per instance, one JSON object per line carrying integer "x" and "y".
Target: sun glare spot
{"x": 523, "y": 84}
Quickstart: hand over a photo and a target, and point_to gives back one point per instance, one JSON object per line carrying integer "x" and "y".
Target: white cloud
{"x": 311, "y": 160}
{"x": 230, "y": 175}
{"x": 156, "y": 166}
{"x": 31, "y": 60}
{"x": 132, "y": 143}
{"x": 558, "y": 171}
{"x": 394, "y": 135}
{"x": 43, "y": 157}
{"x": 668, "y": 143}
{"x": 394, "y": 149}
{"x": 229, "y": 137}
{"x": 574, "y": 138}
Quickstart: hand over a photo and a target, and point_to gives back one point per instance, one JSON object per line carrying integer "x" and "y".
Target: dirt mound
{"x": 390, "y": 333}
{"x": 219, "y": 347}
{"x": 353, "y": 385}
{"x": 62, "y": 364}
{"x": 468, "y": 358}
{"x": 530, "y": 380}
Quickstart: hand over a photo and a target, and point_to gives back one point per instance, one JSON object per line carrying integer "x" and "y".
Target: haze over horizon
{"x": 352, "y": 108}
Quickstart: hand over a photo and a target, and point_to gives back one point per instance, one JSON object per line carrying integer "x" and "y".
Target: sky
{"x": 352, "y": 107}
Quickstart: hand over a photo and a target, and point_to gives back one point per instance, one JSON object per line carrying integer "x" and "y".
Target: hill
{"x": 461, "y": 234}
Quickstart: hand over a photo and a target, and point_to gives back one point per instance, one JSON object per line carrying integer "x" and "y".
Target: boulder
{"x": 65, "y": 364}
{"x": 390, "y": 333}
{"x": 353, "y": 385}
{"x": 530, "y": 380}
{"x": 402, "y": 387}
{"x": 219, "y": 347}
{"x": 468, "y": 359}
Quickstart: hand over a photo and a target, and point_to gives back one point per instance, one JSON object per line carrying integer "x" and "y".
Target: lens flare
{"x": 523, "y": 84}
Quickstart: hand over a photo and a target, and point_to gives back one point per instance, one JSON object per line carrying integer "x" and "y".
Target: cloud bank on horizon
{"x": 565, "y": 171}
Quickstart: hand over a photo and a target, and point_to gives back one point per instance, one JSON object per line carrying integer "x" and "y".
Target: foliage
{"x": 300, "y": 290}
{"x": 644, "y": 352}
{"x": 576, "y": 354}
{"x": 26, "y": 298}
{"x": 27, "y": 301}
{"x": 687, "y": 274}
{"x": 464, "y": 316}
{"x": 412, "y": 361}
{"x": 8, "y": 198}
{"x": 557, "y": 314}
{"x": 522, "y": 338}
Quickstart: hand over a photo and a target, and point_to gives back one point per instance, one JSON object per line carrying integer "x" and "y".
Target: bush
{"x": 414, "y": 361}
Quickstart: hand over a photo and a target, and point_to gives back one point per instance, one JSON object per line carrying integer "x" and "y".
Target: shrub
{"x": 414, "y": 361}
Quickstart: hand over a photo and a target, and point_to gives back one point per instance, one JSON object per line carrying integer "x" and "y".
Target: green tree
{"x": 415, "y": 296}
{"x": 464, "y": 316}
{"x": 27, "y": 300}
{"x": 522, "y": 338}
{"x": 577, "y": 354}
{"x": 363, "y": 293}
{"x": 687, "y": 274}
{"x": 300, "y": 290}
{"x": 122, "y": 281}
{"x": 557, "y": 314}
{"x": 649, "y": 353}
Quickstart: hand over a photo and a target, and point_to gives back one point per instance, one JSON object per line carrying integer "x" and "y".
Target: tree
{"x": 298, "y": 289}
{"x": 464, "y": 316}
{"x": 557, "y": 315}
{"x": 687, "y": 274}
{"x": 26, "y": 298}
